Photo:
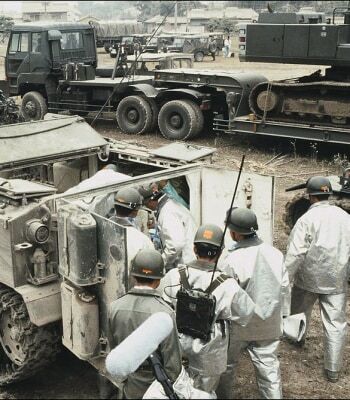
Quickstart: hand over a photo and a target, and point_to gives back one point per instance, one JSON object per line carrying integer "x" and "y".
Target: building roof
{"x": 228, "y": 12}
{"x": 157, "y": 19}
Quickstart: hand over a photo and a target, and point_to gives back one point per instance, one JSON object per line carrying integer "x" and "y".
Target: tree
{"x": 5, "y": 27}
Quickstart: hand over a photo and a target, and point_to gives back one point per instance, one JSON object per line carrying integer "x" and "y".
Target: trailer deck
{"x": 109, "y": 82}
{"x": 249, "y": 125}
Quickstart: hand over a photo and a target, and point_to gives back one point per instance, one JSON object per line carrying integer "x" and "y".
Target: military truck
{"x": 62, "y": 260}
{"x": 59, "y": 77}
{"x": 197, "y": 44}
{"x": 313, "y": 107}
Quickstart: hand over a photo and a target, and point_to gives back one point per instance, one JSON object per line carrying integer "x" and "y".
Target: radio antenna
{"x": 227, "y": 218}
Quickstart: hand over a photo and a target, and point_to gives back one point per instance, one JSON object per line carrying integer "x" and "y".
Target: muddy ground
{"x": 302, "y": 369}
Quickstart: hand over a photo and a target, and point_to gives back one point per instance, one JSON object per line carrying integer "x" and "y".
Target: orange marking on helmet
{"x": 208, "y": 234}
{"x": 324, "y": 188}
{"x": 146, "y": 271}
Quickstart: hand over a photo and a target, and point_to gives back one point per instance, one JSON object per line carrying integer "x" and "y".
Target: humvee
{"x": 62, "y": 260}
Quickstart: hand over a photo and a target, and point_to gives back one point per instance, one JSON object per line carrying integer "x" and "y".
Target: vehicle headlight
{"x": 37, "y": 232}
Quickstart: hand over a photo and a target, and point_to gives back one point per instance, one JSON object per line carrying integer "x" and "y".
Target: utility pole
{"x": 175, "y": 17}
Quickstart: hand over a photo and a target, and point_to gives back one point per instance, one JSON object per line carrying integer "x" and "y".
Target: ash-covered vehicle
{"x": 62, "y": 260}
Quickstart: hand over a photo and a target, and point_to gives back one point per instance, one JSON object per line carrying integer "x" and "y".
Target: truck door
{"x": 17, "y": 60}
{"x": 39, "y": 53}
{"x": 254, "y": 191}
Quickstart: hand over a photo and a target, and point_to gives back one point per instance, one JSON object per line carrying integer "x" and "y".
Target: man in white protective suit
{"x": 175, "y": 224}
{"x": 259, "y": 269}
{"x": 317, "y": 260}
{"x": 207, "y": 356}
{"x": 127, "y": 202}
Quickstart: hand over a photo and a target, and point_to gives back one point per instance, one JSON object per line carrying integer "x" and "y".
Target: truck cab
{"x": 36, "y": 56}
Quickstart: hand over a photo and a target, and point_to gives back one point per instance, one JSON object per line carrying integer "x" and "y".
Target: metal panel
{"x": 323, "y": 41}
{"x": 296, "y": 46}
{"x": 112, "y": 253}
{"x": 266, "y": 40}
{"x": 20, "y": 144}
{"x": 217, "y": 190}
{"x": 182, "y": 151}
{"x": 43, "y": 302}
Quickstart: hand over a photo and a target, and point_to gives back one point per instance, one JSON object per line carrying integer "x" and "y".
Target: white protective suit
{"x": 208, "y": 360}
{"x": 317, "y": 260}
{"x": 177, "y": 229}
{"x": 135, "y": 240}
{"x": 260, "y": 272}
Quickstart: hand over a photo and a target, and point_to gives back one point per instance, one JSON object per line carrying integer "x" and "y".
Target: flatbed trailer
{"x": 250, "y": 125}
{"x": 84, "y": 96}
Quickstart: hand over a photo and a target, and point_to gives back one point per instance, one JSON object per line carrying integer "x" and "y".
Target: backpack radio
{"x": 195, "y": 308}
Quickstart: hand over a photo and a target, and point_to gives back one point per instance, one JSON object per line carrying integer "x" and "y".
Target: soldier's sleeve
{"x": 297, "y": 248}
{"x": 173, "y": 239}
{"x": 234, "y": 303}
{"x": 171, "y": 353}
{"x": 286, "y": 292}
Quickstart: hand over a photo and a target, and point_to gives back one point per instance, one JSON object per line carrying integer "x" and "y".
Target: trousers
{"x": 333, "y": 316}
{"x": 263, "y": 354}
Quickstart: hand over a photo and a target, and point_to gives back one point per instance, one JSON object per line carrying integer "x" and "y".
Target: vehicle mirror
{"x": 54, "y": 35}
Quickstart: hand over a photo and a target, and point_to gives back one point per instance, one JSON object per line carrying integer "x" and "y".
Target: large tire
{"x": 33, "y": 106}
{"x": 25, "y": 348}
{"x": 199, "y": 117}
{"x": 155, "y": 112}
{"x": 177, "y": 120}
{"x": 199, "y": 56}
{"x": 134, "y": 115}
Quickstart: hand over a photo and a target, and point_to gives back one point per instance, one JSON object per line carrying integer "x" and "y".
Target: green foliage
{"x": 222, "y": 25}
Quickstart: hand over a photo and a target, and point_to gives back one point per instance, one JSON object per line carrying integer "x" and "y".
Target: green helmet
{"x": 210, "y": 234}
{"x": 148, "y": 193}
{"x": 319, "y": 185}
{"x": 128, "y": 198}
{"x": 148, "y": 263}
{"x": 243, "y": 221}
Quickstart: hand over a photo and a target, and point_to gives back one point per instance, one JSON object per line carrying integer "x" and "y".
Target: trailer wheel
{"x": 134, "y": 115}
{"x": 199, "y": 56}
{"x": 199, "y": 118}
{"x": 33, "y": 106}
{"x": 177, "y": 120}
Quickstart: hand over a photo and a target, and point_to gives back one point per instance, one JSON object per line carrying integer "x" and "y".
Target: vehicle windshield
{"x": 153, "y": 41}
{"x": 178, "y": 41}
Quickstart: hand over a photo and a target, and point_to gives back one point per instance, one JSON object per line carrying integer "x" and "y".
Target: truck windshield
{"x": 71, "y": 40}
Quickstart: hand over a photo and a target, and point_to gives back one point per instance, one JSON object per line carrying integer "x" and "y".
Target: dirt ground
{"x": 302, "y": 369}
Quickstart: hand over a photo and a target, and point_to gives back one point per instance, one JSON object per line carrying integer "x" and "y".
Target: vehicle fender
{"x": 144, "y": 88}
{"x": 174, "y": 94}
{"x": 31, "y": 81}
{"x": 43, "y": 302}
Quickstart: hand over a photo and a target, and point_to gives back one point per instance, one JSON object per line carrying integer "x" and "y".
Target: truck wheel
{"x": 33, "y": 106}
{"x": 134, "y": 115}
{"x": 199, "y": 56}
{"x": 177, "y": 120}
{"x": 199, "y": 117}
{"x": 155, "y": 112}
{"x": 25, "y": 348}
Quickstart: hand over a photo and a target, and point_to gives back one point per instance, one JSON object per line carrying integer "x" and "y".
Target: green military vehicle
{"x": 62, "y": 260}
{"x": 36, "y": 56}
